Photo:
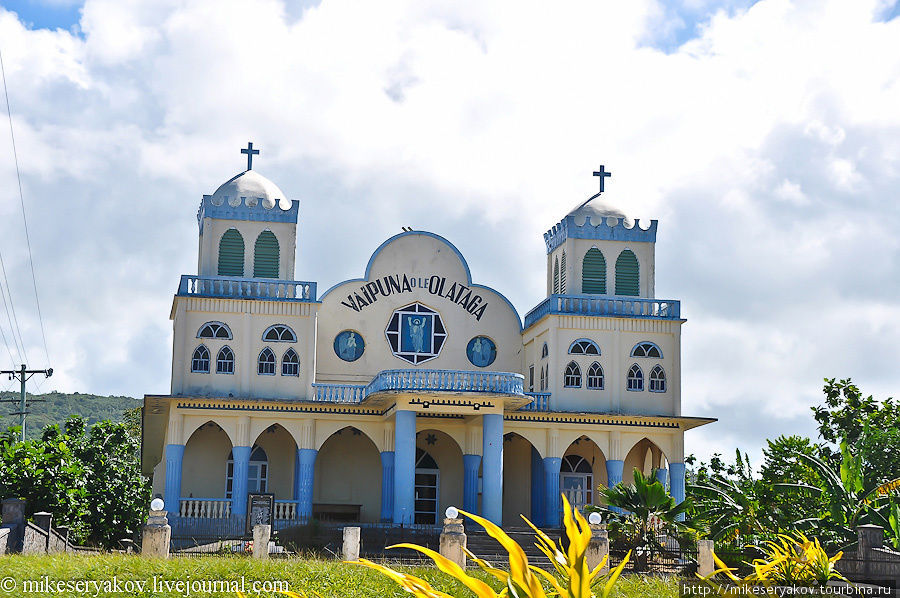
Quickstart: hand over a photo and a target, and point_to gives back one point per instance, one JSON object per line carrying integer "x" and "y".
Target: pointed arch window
{"x": 290, "y": 363}
{"x": 545, "y": 351}
{"x": 215, "y": 330}
{"x": 257, "y": 472}
{"x": 627, "y": 274}
{"x": 556, "y": 276}
{"x": 575, "y": 464}
{"x": 593, "y": 272}
{"x": 572, "y": 376}
{"x": 595, "y": 377}
{"x": 543, "y": 386}
{"x": 584, "y": 346}
{"x": 562, "y": 273}
{"x": 200, "y": 360}
{"x": 265, "y": 364}
{"x": 657, "y": 379}
{"x": 646, "y": 349}
{"x": 635, "y": 378}
{"x": 265, "y": 255}
{"x": 279, "y": 333}
{"x": 231, "y": 254}
{"x": 225, "y": 361}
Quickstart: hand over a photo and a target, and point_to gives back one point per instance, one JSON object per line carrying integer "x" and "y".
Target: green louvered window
{"x": 562, "y": 274}
{"x": 556, "y": 276}
{"x": 231, "y": 254}
{"x": 627, "y": 279}
{"x": 265, "y": 256}
{"x": 593, "y": 272}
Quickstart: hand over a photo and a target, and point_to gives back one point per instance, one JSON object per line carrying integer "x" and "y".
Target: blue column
{"x": 241, "y": 457}
{"x": 387, "y": 485}
{"x": 471, "y": 463}
{"x": 662, "y": 475}
{"x": 404, "y": 467}
{"x": 492, "y": 468}
{"x": 676, "y": 481}
{"x": 614, "y": 469}
{"x": 303, "y": 482}
{"x": 172, "y": 492}
{"x": 537, "y": 488}
{"x": 552, "y": 504}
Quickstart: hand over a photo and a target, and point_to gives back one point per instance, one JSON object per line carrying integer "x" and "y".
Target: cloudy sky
{"x": 765, "y": 137}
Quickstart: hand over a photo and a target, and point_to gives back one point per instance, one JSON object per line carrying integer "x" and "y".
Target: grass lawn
{"x": 162, "y": 578}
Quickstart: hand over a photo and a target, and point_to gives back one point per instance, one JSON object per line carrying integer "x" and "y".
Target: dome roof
{"x": 600, "y": 209}
{"x": 251, "y": 188}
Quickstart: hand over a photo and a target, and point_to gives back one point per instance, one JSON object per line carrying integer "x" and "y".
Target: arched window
{"x": 231, "y": 253}
{"x": 593, "y": 272}
{"x": 279, "y": 333}
{"x": 627, "y": 278}
{"x": 257, "y": 472}
{"x": 635, "y": 378}
{"x": 575, "y": 464}
{"x": 562, "y": 273}
{"x": 200, "y": 360}
{"x": 584, "y": 346}
{"x": 657, "y": 379}
{"x": 545, "y": 351}
{"x": 225, "y": 361}
{"x": 573, "y": 375}
{"x": 265, "y": 255}
{"x": 646, "y": 349}
{"x": 265, "y": 365}
{"x": 595, "y": 377}
{"x": 290, "y": 363}
{"x": 543, "y": 386}
{"x": 214, "y": 330}
{"x": 556, "y": 276}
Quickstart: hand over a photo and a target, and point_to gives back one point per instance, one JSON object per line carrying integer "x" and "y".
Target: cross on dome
{"x": 600, "y": 173}
{"x": 251, "y": 152}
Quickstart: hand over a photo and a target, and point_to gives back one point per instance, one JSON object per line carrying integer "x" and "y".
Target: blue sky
{"x": 762, "y": 136}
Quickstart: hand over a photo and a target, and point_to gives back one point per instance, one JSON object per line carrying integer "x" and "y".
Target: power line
{"x": 20, "y": 346}
{"x": 24, "y": 219}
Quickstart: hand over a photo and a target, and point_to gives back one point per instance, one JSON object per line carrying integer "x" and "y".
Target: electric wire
{"x": 24, "y": 219}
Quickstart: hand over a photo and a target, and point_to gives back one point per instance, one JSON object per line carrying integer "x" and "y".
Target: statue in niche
{"x": 417, "y": 333}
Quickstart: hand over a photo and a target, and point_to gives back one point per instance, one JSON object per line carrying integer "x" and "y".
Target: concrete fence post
{"x": 706, "y": 566}
{"x": 157, "y": 535}
{"x": 351, "y": 544}
{"x": 453, "y": 541}
{"x": 598, "y": 547}
{"x": 261, "y": 535}
{"x": 13, "y": 517}
{"x": 44, "y": 520}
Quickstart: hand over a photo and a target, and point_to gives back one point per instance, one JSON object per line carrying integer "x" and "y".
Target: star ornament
{"x": 430, "y": 439}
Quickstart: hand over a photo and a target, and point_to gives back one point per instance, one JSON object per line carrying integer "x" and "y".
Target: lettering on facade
{"x": 386, "y": 286}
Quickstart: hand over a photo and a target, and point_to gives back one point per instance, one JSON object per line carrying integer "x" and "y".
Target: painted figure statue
{"x": 417, "y": 333}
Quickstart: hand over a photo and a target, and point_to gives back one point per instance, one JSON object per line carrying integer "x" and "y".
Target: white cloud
{"x": 767, "y": 147}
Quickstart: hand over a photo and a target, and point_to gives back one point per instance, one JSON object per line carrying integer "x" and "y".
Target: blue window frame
{"x": 200, "y": 360}
{"x": 584, "y": 346}
{"x": 647, "y": 349}
{"x": 635, "y": 378}
{"x": 572, "y": 376}
{"x": 265, "y": 364}
{"x": 657, "y": 379}
{"x": 595, "y": 376}
{"x": 225, "y": 361}
{"x": 290, "y": 363}
{"x": 279, "y": 333}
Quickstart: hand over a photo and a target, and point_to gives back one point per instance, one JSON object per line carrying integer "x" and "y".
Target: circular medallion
{"x": 349, "y": 345}
{"x": 481, "y": 351}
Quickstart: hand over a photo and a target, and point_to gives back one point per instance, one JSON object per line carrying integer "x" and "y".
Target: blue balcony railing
{"x": 541, "y": 401}
{"x": 246, "y": 288}
{"x": 423, "y": 380}
{"x": 605, "y": 305}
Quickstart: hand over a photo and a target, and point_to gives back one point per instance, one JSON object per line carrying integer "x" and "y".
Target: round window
{"x": 349, "y": 345}
{"x": 481, "y": 351}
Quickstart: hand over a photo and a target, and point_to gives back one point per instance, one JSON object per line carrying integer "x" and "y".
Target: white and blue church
{"x": 411, "y": 388}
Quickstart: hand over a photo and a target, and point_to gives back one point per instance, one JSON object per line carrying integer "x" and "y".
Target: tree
{"x": 781, "y": 466}
{"x": 643, "y": 511}
{"x": 88, "y": 477}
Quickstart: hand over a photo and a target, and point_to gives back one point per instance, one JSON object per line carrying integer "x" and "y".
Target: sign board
{"x": 260, "y": 511}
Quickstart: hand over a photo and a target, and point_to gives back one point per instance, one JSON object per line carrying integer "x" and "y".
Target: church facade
{"x": 392, "y": 396}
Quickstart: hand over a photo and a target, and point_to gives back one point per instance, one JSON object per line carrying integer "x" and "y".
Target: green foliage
{"x": 88, "y": 477}
{"x": 57, "y": 407}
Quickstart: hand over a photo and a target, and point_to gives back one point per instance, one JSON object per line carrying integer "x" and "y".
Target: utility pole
{"x": 22, "y": 375}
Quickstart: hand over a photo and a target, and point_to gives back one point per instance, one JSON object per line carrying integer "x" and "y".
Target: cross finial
{"x": 252, "y": 152}
{"x": 600, "y": 173}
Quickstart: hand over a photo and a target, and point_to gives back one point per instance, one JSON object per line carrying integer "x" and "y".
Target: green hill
{"x": 57, "y": 407}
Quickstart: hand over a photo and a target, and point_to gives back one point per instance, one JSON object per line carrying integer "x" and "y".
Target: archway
{"x": 645, "y": 456}
{"x": 438, "y": 476}
{"x": 347, "y": 478}
{"x": 523, "y": 481}
{"x": 582, "y": 471}
{"x": 277, "y": 445}
{"x": 204, "y": 465}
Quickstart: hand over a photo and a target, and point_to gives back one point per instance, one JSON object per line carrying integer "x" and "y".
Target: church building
{"x": 390, "y": 397}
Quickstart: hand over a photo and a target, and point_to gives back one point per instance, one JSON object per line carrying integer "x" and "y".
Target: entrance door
{"x": 576, "y": 481}
{"x": 428, "y": 482}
